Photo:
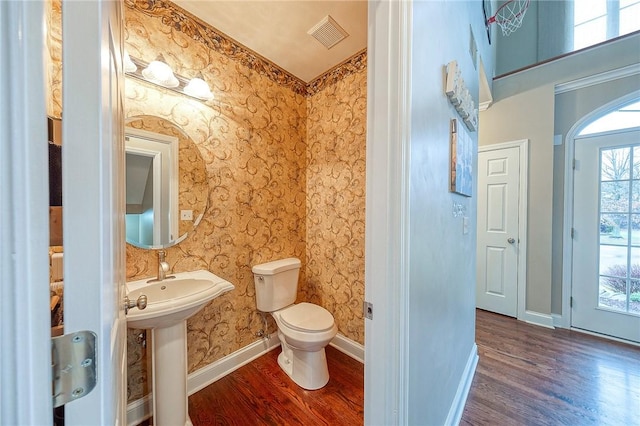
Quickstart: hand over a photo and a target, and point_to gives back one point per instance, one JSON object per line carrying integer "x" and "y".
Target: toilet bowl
{"x": 304, "y": 329}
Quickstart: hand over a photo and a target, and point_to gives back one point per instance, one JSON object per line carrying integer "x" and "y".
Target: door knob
{"x": 140, "y": 303}
{"x": 511, "y": 240}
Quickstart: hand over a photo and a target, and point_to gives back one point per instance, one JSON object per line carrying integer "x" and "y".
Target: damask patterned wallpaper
{"x": 285, "y": 166}
{"x": 336, "y": 157}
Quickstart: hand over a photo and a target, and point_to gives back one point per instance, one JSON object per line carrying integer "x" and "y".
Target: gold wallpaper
{"x": 53, "y": 59}
{"x": 336, "y": 157}
{"x": 285, "y": 177}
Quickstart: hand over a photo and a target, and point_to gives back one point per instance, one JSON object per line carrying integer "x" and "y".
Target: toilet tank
{"x": 276, "y": 283}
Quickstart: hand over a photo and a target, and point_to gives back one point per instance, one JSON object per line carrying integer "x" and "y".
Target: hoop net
{"x": 510, "y": 15}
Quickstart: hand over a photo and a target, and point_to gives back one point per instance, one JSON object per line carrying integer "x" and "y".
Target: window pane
{"x": 635, "y": 196}
{"x": 636, "y": 160}
{"x": 624, "y": 118}
{"x": 635, "y": 229}
{"x": 613, "y": 261}
{"x": 610, "y": 295}
{"x": 590, "y": 33}
{"x": 586, "y": 10}
{"x": 629, "y": 18}
{"x": 625, "y": 3}
{"x": 614, "y": 164}
{"x": 613, "y": 229}
{"x": 634, "y": 301}
{"x": 614, "y": 197}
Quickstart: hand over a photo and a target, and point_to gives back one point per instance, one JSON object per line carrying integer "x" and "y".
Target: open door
{"x": 93, "y": 198}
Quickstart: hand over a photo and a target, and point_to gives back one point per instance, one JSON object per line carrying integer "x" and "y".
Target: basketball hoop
{"x": 509, "y": 16}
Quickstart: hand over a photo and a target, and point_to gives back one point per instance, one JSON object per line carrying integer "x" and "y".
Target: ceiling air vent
{"x": 328, "y": 32}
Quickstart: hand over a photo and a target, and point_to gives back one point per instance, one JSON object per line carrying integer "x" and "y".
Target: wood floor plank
{"x": 529, "y": 375}
{"x": 526, "y": 375}
{"x": 265, "y": 395}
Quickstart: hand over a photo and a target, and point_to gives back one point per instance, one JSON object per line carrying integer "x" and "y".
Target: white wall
{"x": 442, "y": 259}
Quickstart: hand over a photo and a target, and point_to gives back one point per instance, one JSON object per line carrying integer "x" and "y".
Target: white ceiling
{"x": 277, "y": 30}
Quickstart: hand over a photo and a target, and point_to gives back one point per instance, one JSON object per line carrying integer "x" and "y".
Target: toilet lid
{"x": 307, "y": 317}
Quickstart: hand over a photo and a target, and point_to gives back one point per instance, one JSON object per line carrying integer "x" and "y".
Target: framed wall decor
{"x": 461, "y": 177}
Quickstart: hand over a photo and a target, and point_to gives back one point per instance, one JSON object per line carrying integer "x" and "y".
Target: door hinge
{"x": 73, "y": 366}
{"x": 367, "y": 310}
{"x": 571, "y": 301}
{"x": 573, "y": 233}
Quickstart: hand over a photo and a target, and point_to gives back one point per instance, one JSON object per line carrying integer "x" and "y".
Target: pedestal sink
{"x": 169, "y": 303}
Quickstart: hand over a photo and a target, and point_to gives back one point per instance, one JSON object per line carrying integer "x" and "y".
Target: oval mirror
{"x": 166, "y": 185}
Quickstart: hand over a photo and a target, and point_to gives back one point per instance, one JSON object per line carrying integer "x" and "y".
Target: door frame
{"x": 386, "y": 368}
{"x": 567, "y": 241}
{"x": 25, "y": 333}
{"x": 523, "y": 196}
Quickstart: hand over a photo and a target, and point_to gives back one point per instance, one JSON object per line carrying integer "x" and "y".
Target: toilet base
{"x": 307, "y": 369}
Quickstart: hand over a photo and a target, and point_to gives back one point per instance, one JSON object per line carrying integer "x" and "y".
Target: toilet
{"x": 304, "y": 329}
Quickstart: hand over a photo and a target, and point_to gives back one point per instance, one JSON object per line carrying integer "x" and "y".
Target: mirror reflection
{"x": 166, "y": 186}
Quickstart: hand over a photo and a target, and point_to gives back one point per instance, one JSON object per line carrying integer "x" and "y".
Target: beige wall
{"x": 530, "y": 115}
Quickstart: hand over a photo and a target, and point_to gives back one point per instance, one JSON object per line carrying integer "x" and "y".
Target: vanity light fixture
{"x": 161, "y": 74}
{"x": 198, "y": 88}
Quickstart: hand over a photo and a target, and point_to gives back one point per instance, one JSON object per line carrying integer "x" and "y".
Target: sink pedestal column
{"x": 169, "y": 365}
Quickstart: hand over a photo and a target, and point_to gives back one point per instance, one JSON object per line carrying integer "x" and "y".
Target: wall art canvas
{"x": 461, "y": 160}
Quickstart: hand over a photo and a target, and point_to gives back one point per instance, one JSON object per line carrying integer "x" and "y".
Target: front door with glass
{"x": 606, "y": 244}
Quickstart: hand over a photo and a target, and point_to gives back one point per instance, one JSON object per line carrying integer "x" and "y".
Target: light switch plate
{"x": 186, "y": 214}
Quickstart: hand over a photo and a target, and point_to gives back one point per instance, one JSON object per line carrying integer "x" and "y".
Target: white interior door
{"x": 498, "y": 230}
{"x": 93, "y": 199}
{"x": 606, "y": 240}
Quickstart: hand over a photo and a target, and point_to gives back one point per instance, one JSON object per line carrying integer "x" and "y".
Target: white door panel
{"x": 93, "y": 197}
{"x": 498, "y": 197}
{"x": 606, "y": 243}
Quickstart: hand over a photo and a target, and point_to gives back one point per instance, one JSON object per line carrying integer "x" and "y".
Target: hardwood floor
{"x": 527, "y": 375}
{"x": 260, "y": 393}
{"x": 530, "y": 375}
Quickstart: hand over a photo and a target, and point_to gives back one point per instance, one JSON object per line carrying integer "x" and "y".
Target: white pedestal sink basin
{"x": 169, "y": 303}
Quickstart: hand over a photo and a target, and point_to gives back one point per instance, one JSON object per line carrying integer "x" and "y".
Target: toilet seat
{"x": 307, "y": 317}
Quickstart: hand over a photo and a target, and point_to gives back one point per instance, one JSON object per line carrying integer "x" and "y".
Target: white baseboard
{"x": 536, "y": 318}
{"x": 350, "y": 347}
{"x": 559, "y": 321}
{"x": 459, "y": 401}
{"x": 141, "y": 409}
{"x": 205, "y": 376}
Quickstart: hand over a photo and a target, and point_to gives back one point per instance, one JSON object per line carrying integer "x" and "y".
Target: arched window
{"x": 625, "y": 117}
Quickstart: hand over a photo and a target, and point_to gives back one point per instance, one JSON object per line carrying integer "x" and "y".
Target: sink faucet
{"x": 163, "y": 268}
